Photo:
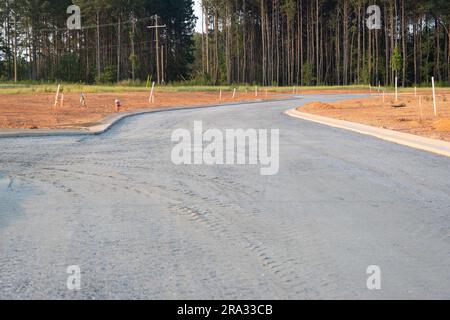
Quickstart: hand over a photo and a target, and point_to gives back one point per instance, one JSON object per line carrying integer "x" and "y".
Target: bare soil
{"x": 33, "y": 111}
{"x": 405, "y": 115}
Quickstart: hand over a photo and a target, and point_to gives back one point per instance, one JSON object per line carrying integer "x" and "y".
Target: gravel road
{"x": 140, "y": 227}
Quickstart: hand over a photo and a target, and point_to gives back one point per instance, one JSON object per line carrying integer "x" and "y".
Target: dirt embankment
{"x": 409, "y": 114}
{"x": 33, "y": 111}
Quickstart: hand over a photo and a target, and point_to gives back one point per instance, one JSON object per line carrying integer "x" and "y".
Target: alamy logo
{"x": 374, "y": 280}
{"x": 74, "y": 21}
{"x": 374, "y": 20}
{"x": 214, "y": 147}
{"x": 74, "y": 280}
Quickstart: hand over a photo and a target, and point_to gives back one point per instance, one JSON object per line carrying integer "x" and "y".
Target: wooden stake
{"x": 396, "y": 89}
{"x": 420, "y": 109}
{"x": 434, "y": 97}
{"x": 82, "y": 100}
{"x": 150, "y": 99}
{"x": 57, "y": 95}
{"x": 256, "y": 91}
{"x": 220, "y": 95}
{"x": 234, "y": 93}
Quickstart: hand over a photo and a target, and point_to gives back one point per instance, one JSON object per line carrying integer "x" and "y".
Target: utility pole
{"x": 158, "y": 62}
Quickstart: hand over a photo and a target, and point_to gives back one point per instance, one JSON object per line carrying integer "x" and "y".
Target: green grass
{"x": 66, "y": 88}
{"x": 27, "y": 88}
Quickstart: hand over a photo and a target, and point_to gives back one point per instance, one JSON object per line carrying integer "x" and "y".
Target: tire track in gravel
{"x": 253, "y": 214}
{"x": 286, "y": 269}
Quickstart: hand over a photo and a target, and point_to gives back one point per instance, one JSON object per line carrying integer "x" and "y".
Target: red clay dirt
{"x": 405, "y": 115}
{"x": 33, "y": 111}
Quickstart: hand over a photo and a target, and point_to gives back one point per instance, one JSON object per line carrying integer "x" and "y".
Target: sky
{"x": 198, "y": 13}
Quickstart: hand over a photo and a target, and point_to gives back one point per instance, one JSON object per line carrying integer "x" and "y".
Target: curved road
{"x": 140, "y": 227}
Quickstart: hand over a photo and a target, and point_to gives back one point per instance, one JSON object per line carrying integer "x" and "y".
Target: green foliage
{"x": 47, "y": 51}
{"x": 365, "y": 74}
{"x": 68, "y": 68}
{"x": 50, "y": 52}
{"x": 134, "y": 61}
{"x": 200, "y": 79}
{"x": 108, "y": 75}
{"x": 308, "y": 74}
{"x": 397, "y": 60}
{"x": 289, "y": 7}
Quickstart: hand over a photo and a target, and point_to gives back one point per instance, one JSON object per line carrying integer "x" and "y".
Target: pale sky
{"x": 198, "y": 13}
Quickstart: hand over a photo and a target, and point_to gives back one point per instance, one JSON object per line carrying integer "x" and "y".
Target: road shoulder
{"x": 426, "y": 144}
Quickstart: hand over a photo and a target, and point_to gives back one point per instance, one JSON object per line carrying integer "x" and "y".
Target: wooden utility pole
{"x": 157, "y": 27}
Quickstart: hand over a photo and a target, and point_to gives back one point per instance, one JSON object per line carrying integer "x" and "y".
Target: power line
{"x": 100, "y": 25}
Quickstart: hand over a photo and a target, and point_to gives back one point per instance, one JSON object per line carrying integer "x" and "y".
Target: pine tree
{"x": 396, "y": 61}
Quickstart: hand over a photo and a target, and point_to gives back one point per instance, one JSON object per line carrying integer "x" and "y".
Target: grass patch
{"x": 26, "y": 88}
{"x": 29, "y": 88}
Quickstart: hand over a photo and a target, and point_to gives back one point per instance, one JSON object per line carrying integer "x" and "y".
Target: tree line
{"x": 114, "y": 43}
{"x": 269, "y": 42}
{"x": 324, "y": 42}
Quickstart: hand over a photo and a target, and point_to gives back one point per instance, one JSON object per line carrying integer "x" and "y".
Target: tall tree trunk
{"x": 346, "y": 44}
{"x": 404, "y": 45}
{"x": 206, "y": 39}
{"x": 119, "y": 45}
{"x": 263, "y": 39}
{"x": 216, "y": 46}
{"x": 99, "y": 70}
{"x": 15, "y": 47}
{"x": 317, "y": 43}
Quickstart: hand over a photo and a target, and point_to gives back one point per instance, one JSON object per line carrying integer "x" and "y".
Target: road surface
{"x": 140, "y": 227}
